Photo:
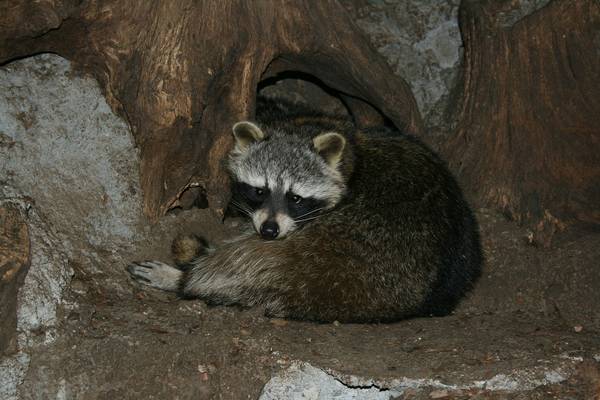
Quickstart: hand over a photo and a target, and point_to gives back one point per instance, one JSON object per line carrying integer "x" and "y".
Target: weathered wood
{"x": 528, "y": 139}
{"x": 14, "y": 264}
{"x": 182, "y": 72}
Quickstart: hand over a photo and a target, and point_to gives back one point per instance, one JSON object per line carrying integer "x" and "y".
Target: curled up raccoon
{"x": 348, "y": 225}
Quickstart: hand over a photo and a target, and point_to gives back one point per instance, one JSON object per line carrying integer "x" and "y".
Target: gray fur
{"x": 288, "y": 162}
{"x": 392, "y": 239}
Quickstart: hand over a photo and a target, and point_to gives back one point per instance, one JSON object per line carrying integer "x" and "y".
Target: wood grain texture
{"x": 182, "y": 72}
{"x": 528, "y": 138}
{"x": 14, "y": 264}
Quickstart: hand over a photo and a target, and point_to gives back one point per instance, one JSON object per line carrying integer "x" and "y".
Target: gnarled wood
{"x": 528, "y": 139}
{"x": 14, "y": 264}
{"x": 183, "y": 72}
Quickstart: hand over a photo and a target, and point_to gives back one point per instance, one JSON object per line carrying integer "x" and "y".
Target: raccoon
{"x": 349, "y": 226}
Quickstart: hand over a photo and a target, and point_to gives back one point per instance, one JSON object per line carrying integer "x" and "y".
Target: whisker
{"x": 244, "y": 212}
{"x": 240, "y": 207}
{"x": 307, "y": 219}
{"x": 297, "y": 221}
{"x": 310, "y": 218}
{"x": 310, "y": 212}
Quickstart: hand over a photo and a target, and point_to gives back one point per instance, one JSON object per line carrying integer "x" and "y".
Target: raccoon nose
{"x": 269, "y": 230}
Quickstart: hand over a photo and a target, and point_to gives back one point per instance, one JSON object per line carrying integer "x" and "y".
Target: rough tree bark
{"x": 528, "y": 138}
{"x": 182, "y": 72}
{"x": 14, "y": 264}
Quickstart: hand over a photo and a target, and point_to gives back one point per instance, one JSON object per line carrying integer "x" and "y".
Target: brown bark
{"x": 528, "y": 138}
{"x": 182, "y": 72}
{"x": 14, "y": 264}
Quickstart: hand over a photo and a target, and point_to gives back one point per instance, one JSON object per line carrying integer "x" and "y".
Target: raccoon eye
{"x": 296, "y": 199}
{"x": 259, "y": 191}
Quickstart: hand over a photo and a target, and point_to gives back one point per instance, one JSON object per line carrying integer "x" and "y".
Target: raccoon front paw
{"x": 155, "y": 274}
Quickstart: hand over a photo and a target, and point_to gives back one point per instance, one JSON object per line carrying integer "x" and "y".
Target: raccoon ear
{"x": 330, "y": 146}
{"x": 246, "y": 133}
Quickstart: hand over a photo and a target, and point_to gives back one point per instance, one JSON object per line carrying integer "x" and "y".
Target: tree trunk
{"x": 14, "y": 264}
{"x": 528, "y": 137}
{"x": 182, "y": 72}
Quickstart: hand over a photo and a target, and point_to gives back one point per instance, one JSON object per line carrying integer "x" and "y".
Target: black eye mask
{"x": 250, "y": 195}
{"x": 301, "y": 208}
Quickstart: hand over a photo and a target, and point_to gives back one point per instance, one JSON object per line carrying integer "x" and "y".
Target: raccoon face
{"x": 282, "y": 181}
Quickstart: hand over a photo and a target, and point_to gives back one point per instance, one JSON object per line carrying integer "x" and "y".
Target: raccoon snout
{"x": 269, "y": 230}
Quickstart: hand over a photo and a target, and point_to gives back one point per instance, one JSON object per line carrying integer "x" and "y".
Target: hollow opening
{"x": 191, "y": 197}
{"x": 296, "y": 87}
{"x": 303, "y": 88}
{"x": 299, "y": 87}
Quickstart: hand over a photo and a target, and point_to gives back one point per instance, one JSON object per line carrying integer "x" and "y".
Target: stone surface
{"x": 44, "y": 287}
{"x": 62, "y": 147}
{"x": 421, "y": 41}
{"x": 67, "y": 150}
{"x": 86, "y": 332}
{"x": 12, "y": 373}
{"x": 70, "y": 165}
{"x": 303, "y": 381}
{"x": 151, "y": 346}
{"x": 14, "y": 263}
{"x": 520, "y": 9}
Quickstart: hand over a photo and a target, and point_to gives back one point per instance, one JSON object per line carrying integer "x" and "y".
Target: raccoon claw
{"x": 155, "y": 274}
{"x": 138, "y": 278}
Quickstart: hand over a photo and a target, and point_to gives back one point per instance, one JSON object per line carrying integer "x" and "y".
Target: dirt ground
{"x": 530, "y": 330}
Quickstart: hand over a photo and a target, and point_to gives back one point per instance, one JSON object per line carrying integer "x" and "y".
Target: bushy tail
{"x": 187, "y": 248}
